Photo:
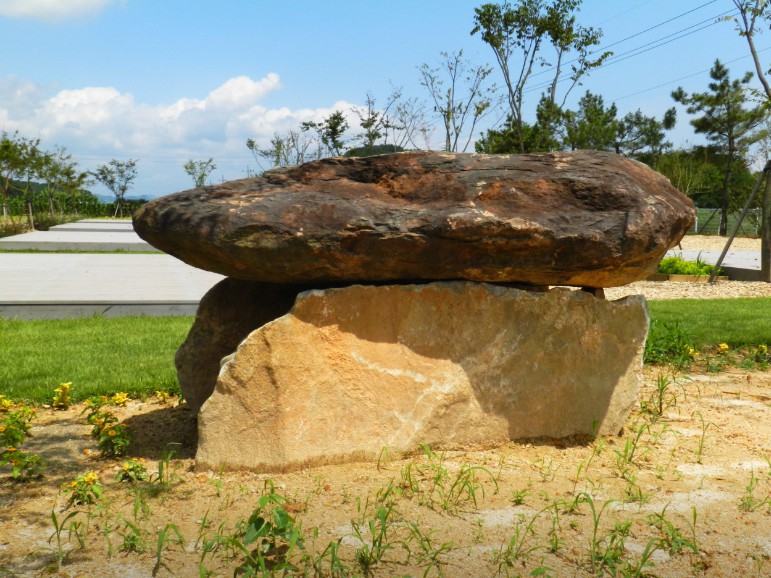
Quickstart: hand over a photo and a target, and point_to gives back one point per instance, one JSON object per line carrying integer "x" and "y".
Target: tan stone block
{"x": 453, "y": 364}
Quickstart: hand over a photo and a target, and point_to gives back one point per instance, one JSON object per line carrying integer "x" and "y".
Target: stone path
{"x": 58, "y": 285}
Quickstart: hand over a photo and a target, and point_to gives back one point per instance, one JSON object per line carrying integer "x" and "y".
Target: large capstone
{"x": 350, "y": 371}
{"x": 581, "y": 218}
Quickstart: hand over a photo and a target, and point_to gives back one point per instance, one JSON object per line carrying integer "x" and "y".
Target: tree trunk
{"x": 723, "y": 231}
{"x": 765, "y": 233}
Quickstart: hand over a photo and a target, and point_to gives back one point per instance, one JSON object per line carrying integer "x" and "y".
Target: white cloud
{"x": 50, "y": 10}
{"x": 100, "y": 123}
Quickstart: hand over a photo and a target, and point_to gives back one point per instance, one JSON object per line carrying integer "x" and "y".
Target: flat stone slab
{"x": 577, "y": 218}
{"x": 58, "y": 285}
{"x": 455, "y": 365}
{"x": 96, "y": 226}
{"x": 65, "y": 240}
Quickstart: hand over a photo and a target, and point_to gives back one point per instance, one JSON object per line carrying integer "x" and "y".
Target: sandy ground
{"x": 693, "y": 480}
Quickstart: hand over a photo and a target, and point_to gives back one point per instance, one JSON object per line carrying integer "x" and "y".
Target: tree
{"x": 330, "y": 132}
{"x": 726, "y": 122}
{"x": 61, "y": 177}
{"x": 18, "y": 157}
{"x": 199, "y": 171}
{"x": 460, "y": 95}
{"x": 592, "y": 126}
{"x": 642, "y": 137}
{"x": 409, "y": 127}
{"x": 290, "y": 149}
{"x": 686, "y": 170}
{"x": 117, "y": 176}
{"x": 376, "y": 123}
{"x": 749, "y": 13}
{"x": 747, "y": 24}
{"x": 523, "y": 31}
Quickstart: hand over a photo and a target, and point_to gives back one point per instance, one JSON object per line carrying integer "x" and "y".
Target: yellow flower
{"x": 91, "y": 478}
{"x": 11, "y": 449}
{"x": 2, "y": 428}
{"x": 723, "y": 347}
{"x": 111, "y": 433}
{"x": 120, "y": 398}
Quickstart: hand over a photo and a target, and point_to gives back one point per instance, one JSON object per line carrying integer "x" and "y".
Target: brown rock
{"x": 453, "y": 365}
{"x": 226, "y": 315}
{"x": 567, "y": 218}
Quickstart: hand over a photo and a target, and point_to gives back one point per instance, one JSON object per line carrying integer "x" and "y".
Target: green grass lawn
{"x": 737, "y": 322}
{"x": 98, "y": 355}
{"x": 136, "y": 354}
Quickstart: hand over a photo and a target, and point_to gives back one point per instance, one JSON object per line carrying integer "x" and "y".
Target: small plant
{"x": 547, "y": 469}
{"x": 518, "y": 547}
{"x": 372, "y": 553}
{"x": 120, "y": 399}
{"x": 169, "y": 535}
{"x": 24, "y": 465}
{"x": 14, "y": 427}
{"x": 699, "y": 453}
{"x": 162, "y": 397}
{"x": 429, "y": 552}
{"x": 58, "y": 533}
{"x": 100, "y": 420}
{"x": 62, "y": 398}
{"x": 114, "y": 440}
{"x": 132, "y": 471}
{"x": 518, "y": 496}
{"x": 749, "y": 503}
{"x": 669, "y": 344}
{"x": 327, "y": 562}
{"x": 268, "y": 538}
{"x": 671, "y": 538}
{"x": 604, "y": 551}
{"x": 84, "y": 490}
{"x": 133, "y": 540}
{"x": 164, "y": 478}
{"x": 662, "y": 399}
{"x": 6, "y": 404}
{"x": 625, "y": 458}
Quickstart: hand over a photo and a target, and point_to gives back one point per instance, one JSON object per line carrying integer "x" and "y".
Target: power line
{"x": 685, "y": 77}
{"x": 660, "y": 24}
{"x": 712, "y": 19}
{"x": 659, "y": 42}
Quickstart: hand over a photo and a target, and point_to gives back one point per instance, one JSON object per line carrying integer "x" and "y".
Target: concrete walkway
{"x": 81, "y": 236}
{"x": 61, "y": 285}
{"x": 738, "y": 265}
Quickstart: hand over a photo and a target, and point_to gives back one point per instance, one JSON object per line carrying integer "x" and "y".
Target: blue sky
{"x": 163, "y": 81}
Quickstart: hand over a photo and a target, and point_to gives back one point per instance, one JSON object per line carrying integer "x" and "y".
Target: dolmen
{"x": 447, "y": 299}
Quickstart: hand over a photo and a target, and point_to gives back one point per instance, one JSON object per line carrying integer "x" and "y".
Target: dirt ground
{"x": 690, "y": 482}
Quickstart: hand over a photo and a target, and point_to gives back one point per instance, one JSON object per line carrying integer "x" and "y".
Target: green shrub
{"x": 678, "y": 266}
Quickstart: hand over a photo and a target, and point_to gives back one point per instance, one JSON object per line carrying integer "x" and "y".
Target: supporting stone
{"x": 454, "y": 365}
{"x": 226, "y": 315}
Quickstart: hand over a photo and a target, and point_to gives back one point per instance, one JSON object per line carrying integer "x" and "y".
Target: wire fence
{"x": 708, "y": 223}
